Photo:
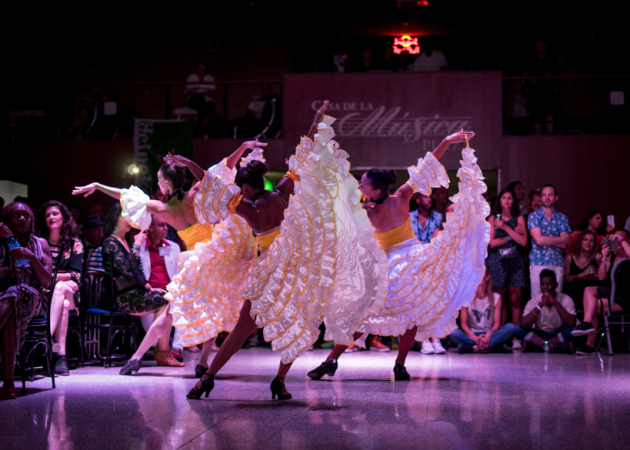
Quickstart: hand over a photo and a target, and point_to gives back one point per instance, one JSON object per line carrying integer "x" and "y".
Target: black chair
{"x": 97, "y": 302}
{"x": 620, "y": 294}
{"x": 38, "y": 335}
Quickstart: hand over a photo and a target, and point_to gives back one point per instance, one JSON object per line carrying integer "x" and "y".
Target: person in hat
{"x": 93, "y": 232}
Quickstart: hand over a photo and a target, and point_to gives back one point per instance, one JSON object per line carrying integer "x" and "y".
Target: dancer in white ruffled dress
{"x": 314, "y": 260}
{"x": 428, "y": 283}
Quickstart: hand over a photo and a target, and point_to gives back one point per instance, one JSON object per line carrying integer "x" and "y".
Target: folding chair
{"x": 620, "y": 294}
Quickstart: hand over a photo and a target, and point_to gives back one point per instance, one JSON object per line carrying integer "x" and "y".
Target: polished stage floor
{"x": 532, "y": 401}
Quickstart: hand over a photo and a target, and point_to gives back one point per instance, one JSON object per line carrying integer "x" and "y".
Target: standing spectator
{"x": 440, "y": 199}
{"x": 159, "y": 257}
{"x": 200, "y": 89}
{"x": 480, "y": 323}
{"x": 24, "y": 271}
{"x": 518, "y": 194}
{"x": 593, "y": 221}
{"x": 597, "y": 297}
{"x": 550, "y": 235}
{"x": 508, "y": 236}
{"x": 424, "y": 220}
{"x": 548, "y": 319}
{"x": 534, "y": 201}
{"x": 54, "y": 223}
{"x": 365, "y": 62}
{"x": 429, "y": 60}
{"x": 581, "y": 266}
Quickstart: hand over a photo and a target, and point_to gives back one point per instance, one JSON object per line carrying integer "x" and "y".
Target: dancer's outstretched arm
{"x": 405, "y": 191}
{"x": 230, "y": 161}
{"x": 153, "y": 206}
{"x": 285, "y": 186}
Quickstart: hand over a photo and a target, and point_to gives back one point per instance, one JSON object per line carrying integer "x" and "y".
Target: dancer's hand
{"x": 460, "y": 136}
{"x": 319, "y": 115}
{"x": 176, "y": 160}
{"x": 254, "y": 144}
{"x": 85, "y": 190}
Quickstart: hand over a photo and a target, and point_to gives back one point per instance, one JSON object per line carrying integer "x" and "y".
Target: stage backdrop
{"x": 389, "y": 120}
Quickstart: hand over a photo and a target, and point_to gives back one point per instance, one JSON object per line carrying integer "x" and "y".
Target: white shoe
{"x": 437, "y": 347}
{"x": 516, "y": 345}
{"x": 427, "y": 347}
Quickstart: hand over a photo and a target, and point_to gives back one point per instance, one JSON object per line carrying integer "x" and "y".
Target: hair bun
{"x": 257, "y": 167}
{"x": 389, "y": 176}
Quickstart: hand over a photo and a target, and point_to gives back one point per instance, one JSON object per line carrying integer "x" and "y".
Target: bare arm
{"x": 463, "y": 323}
{"x": 455, "y": 138}
{"x": 236, "y": 156}
{"x": 89, "y": 189}
{"x": 550, "y": 241}
{"x": 567, "y": 319}
{"x": 567, "y": 269}
{"x": 319, "y": 115}
{"x": 44, "y": 268}
{"x": 528, "y": 320}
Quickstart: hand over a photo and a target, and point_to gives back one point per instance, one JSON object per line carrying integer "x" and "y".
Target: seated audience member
{"x": 134, "y": 295}
{"x": 548, "y": 319}
{"x": 581, "y": 266}
{"x": 480, "y": 323}
{"x": 54, "y": 223}
{"x": 24, "y": 272}
{"x": 424, "y": 220}
{"x": 171, "y": 233}
{"x": 596, "y": 297}
{"x": 506, "y": 262}
{"x": 550, "y": 235}
{"x": 93, "y": 232}
{"x": 518, "y": 193}
{"x": 593, "y": 221}
{"x": 159, "y": 257}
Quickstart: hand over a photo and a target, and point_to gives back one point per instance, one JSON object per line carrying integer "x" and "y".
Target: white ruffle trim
{"x": 429, "y": 283}
{"x": 206, "y": 295}
{"x": 325, "y": 261}
{"x": 133, "y": 202}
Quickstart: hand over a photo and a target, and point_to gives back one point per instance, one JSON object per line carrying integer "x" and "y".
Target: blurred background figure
{"x": 200, "y": 89}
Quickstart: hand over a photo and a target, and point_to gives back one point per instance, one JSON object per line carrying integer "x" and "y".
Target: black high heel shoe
{"x": 200, "y": 370}
{"x": 400, "y": 373}
{"x": 277, "y": 388}
{"x": 325, "y": 368}
{"x": 207, "y": 384}
{"x": 133, "y": 365}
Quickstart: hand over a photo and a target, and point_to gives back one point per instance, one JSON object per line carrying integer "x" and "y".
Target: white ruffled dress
{"x": 429, "y": 283}
{"x": 206, "y": 295}
{"x": 324, "y": 263}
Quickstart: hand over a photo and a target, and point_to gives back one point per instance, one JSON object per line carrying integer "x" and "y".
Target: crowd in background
{"x": 540, "y": 273}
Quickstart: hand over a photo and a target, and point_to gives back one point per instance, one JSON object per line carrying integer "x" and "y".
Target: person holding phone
{"x": 581, "y": 265}
{"x": 506, "y": 263}
{"x": 616, "y": 247}
{"x": 550, "y": 235}
{"x": 548, "y": 319}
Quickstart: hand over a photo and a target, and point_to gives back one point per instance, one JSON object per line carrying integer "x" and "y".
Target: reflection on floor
{"x": 532, "y": 401}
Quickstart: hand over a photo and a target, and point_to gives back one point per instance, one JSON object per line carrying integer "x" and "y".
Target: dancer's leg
{"x": 162, "y": 324}
{"x": 338, "y": 349}
{"x": 206, "y": 349}
{"x": 283, "y": 369}
{"x": 406, "y": 342}
{"x": 245, "y": 326}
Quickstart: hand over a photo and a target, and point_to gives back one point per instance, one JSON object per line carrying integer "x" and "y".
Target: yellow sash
{"x": 265, "y": 241}
{"x": 395, "y": 236}
{"x": 196, "y": 233}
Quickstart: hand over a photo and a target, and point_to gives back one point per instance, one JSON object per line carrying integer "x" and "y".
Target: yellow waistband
{"x": 265, "y": 241}
{"x": 196, "y": 233}
{"x": 395, "y": 236}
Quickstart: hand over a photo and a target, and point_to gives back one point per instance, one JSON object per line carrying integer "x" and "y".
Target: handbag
{"x": 508, "y": 253}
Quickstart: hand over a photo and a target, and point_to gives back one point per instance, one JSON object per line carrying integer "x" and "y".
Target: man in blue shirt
{"x": 424, "y": 220}
{"x": 550, "y": 235}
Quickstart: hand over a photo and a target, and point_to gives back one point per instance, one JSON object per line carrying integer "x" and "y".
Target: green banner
{"x": 158, "y": 137}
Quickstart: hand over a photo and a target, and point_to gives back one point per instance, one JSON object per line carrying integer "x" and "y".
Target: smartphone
{"x": 611, "y": 221}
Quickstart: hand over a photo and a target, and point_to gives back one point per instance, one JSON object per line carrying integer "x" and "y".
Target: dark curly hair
{"x": 585, "y": 223}
{"x": 381, "y": 179}
{"x": 9, "y": 209}
{"x": 69, "y": 229}
{"x": 253, "y": 174}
